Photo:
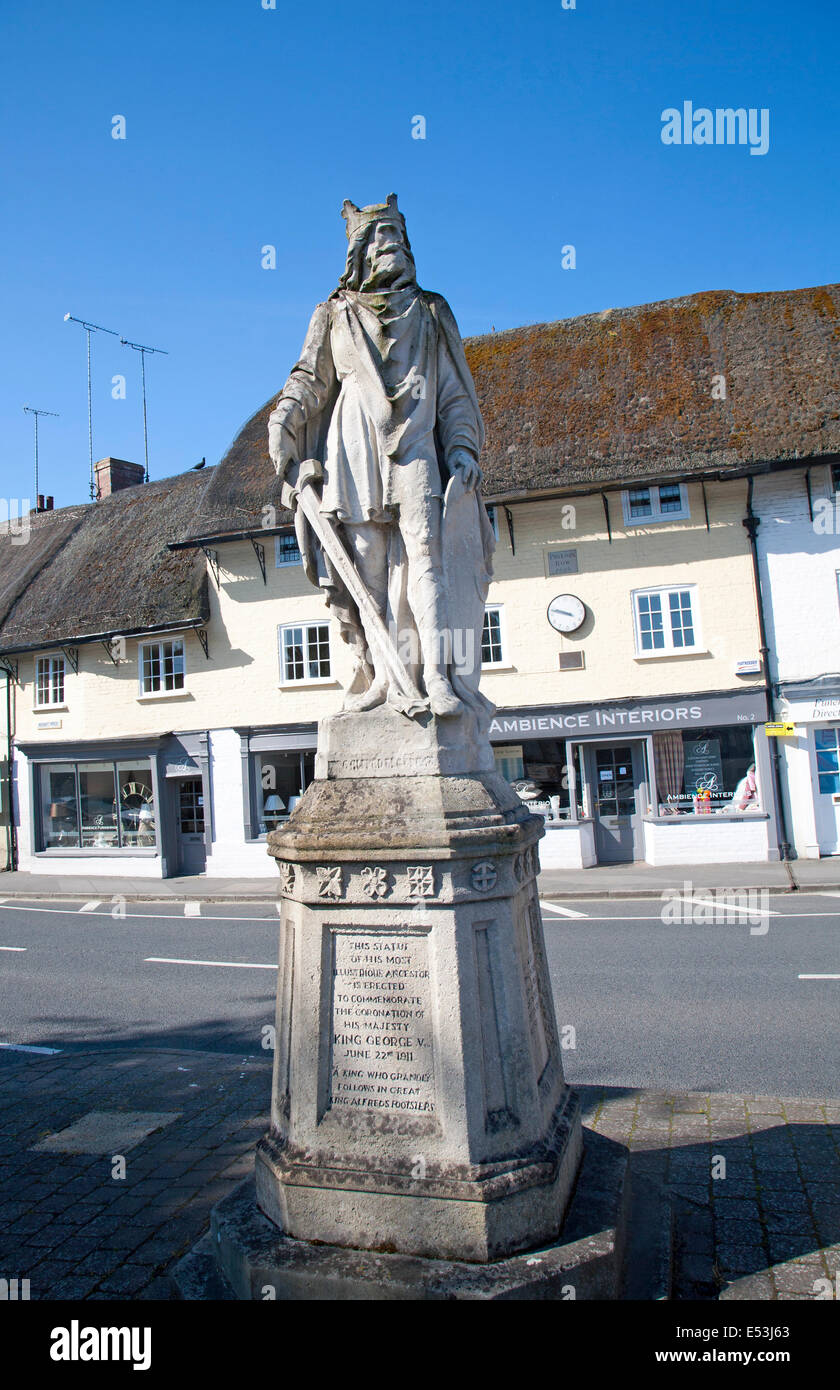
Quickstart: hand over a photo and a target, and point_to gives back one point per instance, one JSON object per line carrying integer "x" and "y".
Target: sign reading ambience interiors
{"x": 607, "y": 720}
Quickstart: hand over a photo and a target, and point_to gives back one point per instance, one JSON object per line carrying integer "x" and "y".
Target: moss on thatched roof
{"x": 620, "y": 395}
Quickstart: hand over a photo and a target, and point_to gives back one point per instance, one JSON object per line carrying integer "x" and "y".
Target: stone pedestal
{"x": 418, "y": 1100}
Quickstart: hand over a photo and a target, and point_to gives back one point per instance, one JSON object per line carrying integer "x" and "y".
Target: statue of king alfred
{"x": 380, "y": 414}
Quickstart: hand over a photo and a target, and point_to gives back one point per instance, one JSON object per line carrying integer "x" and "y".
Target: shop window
{"x": 538, "y": 772}
{"x": 705, "y": 771}
{"x": 492, "y": 649}
{"x": 97, "y": 805}
{"x": 49, "y": 680}
{"x": 668, "y": 502}
{"x": 827, "y": 742}
{"x": 666, "y": 620}
{"x": 161, "y": 667}
{"x": 280, "y": 779}
{"x": 304, "y": 653}
{"x": 286, "y": 550}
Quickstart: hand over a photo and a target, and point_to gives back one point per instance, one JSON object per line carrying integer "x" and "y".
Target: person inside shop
{"x": 746, "y": 792}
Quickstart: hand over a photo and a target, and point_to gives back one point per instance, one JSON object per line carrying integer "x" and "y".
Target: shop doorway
{"x": 189, "y": 824}
{"x": 827, "y": 784}
{"x": 616, "y": 775}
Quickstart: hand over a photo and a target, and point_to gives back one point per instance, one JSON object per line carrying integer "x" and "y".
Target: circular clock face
{"x": 566, "y": 613}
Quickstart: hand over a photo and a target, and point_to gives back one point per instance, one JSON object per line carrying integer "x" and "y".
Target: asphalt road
{"x": 690, "y": 1004}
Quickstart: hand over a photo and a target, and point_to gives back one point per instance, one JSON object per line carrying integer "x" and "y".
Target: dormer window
{"x": 643, "y": 505}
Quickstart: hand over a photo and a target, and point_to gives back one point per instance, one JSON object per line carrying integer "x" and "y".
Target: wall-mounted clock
{"x": 566, "y": 613}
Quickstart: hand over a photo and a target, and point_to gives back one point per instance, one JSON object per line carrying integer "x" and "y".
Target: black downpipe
{"x": 751, "y": 524}
{"x": 11, "y": 829}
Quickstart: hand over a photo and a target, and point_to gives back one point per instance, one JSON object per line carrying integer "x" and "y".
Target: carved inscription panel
{"x": 382, "y": 1049}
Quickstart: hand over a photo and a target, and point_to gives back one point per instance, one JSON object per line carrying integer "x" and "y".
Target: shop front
{"x": 119, "y": 807}
{"x": 812, "y": 759}
{"x": 661, "y": 781}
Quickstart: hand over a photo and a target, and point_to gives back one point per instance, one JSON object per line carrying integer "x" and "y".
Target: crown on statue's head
{"x": 360, "y": 218}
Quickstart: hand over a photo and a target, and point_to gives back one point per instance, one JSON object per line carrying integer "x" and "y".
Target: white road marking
{"x": 14, "y": 948}
{"x": 818, "y": 977}
{"x": 192, "y": 909}
{"x": 41, "y": 1051}
{"x": 91, "y": 907}
{"x": 721, "y": 903}
{"x": 138, "y": 916}
{"x": 231, "y": 964}
{"x": 563, "y": 911}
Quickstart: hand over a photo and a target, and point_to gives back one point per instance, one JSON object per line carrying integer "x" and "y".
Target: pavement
{"x": 755, "y": 1180}
{"x": 601, "y": 881}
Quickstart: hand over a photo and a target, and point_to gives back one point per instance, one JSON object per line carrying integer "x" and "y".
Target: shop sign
{"x": 607, "y": 721}
{"x": 779, "y": 730}
{"x": 826, "y": 709}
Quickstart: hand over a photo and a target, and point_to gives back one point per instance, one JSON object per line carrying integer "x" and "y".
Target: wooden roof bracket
{"x": 201, "y": 634}
{"x": 10, "y": 668}
{"x": 705, "y": 502}
{"x": 72, "y": 655}
{"x": 808, "y": 490}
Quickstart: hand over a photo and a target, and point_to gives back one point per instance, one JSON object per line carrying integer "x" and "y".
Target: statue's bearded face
{"x": 388, "y": 262}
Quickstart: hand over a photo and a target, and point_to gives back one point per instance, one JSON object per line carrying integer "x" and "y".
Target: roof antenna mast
{"x": 31, "y": 410}
{"x": 143, "y": 349}
{"x": 90, "y": 328}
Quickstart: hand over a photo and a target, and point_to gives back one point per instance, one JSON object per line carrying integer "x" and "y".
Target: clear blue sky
{"x": 248, "y": 127}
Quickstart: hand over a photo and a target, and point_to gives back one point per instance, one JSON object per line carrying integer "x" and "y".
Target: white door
{"x": 827, "y": 787}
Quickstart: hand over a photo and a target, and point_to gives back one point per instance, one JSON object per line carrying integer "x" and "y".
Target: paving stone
{"x": 796, "y": 1278}
{"x": 751, "y": 1287}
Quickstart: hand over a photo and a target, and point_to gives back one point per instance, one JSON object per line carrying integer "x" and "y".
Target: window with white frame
{"x": 492, "y": 646}
{"x": 304, "y": 652}
{"x": 493, "y": 518}
{"x": 286, "y": 550}
{"x": 161, "y": 667}
{"x": 49, "y": 680}
{"x": 666, "y": 620}
{"x": 667, "y": 502}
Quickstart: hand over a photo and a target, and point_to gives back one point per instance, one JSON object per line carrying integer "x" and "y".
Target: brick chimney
{"x": 112, "y": 475}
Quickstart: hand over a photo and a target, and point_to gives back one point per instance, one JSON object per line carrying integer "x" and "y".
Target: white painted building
{"x": 799, "y": 552}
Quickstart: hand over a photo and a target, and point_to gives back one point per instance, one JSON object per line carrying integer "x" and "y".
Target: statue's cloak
{"x": 402, "y": 416}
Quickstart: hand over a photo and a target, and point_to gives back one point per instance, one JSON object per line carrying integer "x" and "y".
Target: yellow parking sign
{"x": 779, "y": 730}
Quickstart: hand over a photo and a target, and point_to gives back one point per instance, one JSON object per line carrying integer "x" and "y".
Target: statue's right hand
{"x": 309, "y": 472}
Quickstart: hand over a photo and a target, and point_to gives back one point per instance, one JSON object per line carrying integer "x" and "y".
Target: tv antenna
{"x": 142, "y": 348}
{"x": 31, "y": 410}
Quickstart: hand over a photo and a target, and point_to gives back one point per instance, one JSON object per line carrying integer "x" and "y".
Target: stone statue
{"x": 381, "y": 410}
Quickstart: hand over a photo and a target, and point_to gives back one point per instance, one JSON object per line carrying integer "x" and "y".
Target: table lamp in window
{"x": 273, "y": 808}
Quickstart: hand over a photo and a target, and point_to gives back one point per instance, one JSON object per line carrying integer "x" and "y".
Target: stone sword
{"x": 407, "y": 697}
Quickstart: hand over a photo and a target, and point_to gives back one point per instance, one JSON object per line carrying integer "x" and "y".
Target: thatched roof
{"x": 621, "y": 395}
{"x": 104, "y": 568}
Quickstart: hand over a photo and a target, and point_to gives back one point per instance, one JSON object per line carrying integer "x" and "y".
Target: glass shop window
{"x": 280, "y": 780}
{"x": 539, "y": 775}
{"x": 703, "y": 771}
{"x": 97, "y": 805}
